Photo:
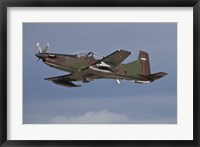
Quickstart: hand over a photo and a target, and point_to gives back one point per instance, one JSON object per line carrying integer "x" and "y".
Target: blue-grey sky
{"x": 100, "y": 101}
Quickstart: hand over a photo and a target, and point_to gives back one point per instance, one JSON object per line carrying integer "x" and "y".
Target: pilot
{"x": 90, "y": 54}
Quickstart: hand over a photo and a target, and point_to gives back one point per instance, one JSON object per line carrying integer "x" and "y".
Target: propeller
{"x": 34, "y": 65}
{"x": 118, "y": 81}
{"x": 40, "y": 49}
{"x": 46, "y": 48}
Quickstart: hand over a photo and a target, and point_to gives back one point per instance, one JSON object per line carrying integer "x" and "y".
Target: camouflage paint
{"x": 109, "y": 67}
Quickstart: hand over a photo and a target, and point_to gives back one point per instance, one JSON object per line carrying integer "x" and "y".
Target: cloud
{"x": 99, "y": 117}
{"x": 107, "y": 110}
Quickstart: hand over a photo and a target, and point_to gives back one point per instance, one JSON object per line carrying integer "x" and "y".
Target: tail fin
{"x": 141, "y": 66}
{"x": 143, "y": 63}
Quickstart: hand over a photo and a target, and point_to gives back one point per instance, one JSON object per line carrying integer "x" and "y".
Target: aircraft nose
{"x": 165, "y": 73}
{"x": 39, "y": 55}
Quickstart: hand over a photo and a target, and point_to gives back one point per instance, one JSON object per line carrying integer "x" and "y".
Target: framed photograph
{"x": 99, "y": 73}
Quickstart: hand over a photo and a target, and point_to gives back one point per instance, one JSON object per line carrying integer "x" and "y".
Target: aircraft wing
{"x": 114, "y": 59}
{"x": 86, "y": 75}
{"x": 76, "y": 76}
{"x": 64, "y": 77}
{"x": 65, "y": 80}
{"x": 103, "y": 66}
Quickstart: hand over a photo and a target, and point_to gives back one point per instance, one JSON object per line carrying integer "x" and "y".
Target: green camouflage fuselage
{"x": 71, "y": 63}
{"x": 86, "y": 67}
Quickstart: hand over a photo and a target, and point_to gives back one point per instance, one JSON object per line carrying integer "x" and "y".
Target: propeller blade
{"x": 36, "y": 62}
{"x": 34, "y": 65}
{"x": 118, "y": 81}
{"x": 45, "y": 49}
{"x": 39, "y": 47}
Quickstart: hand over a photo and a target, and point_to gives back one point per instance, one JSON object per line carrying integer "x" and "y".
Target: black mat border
{"x": 4, "y": 4}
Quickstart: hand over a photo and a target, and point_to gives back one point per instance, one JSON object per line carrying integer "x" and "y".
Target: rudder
{"x": 143, "y": 63}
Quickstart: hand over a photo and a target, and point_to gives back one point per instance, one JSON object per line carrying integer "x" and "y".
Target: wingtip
{"x": 124, "y": 51}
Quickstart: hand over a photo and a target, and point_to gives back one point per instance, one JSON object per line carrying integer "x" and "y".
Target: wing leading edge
{"x": 114, "y": 59}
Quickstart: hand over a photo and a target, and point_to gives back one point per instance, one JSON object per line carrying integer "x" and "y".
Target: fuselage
{"x": 75, "y": 63}
{"x": 87, "y": 66}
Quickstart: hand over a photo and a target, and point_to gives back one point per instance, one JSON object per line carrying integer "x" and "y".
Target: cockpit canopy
{"x": 88, "y": 54}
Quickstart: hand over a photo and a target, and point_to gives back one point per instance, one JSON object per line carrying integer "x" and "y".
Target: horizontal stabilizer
{"x": 155, "y": 76}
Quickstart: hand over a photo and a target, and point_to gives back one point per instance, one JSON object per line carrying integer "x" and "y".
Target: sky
{"x": 101, "y": 101}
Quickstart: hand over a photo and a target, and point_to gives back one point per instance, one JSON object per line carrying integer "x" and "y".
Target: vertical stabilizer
{"x": 143, "y": 63}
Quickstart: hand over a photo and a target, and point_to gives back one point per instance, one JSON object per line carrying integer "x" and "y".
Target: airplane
{"x": 86, "y": 67}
